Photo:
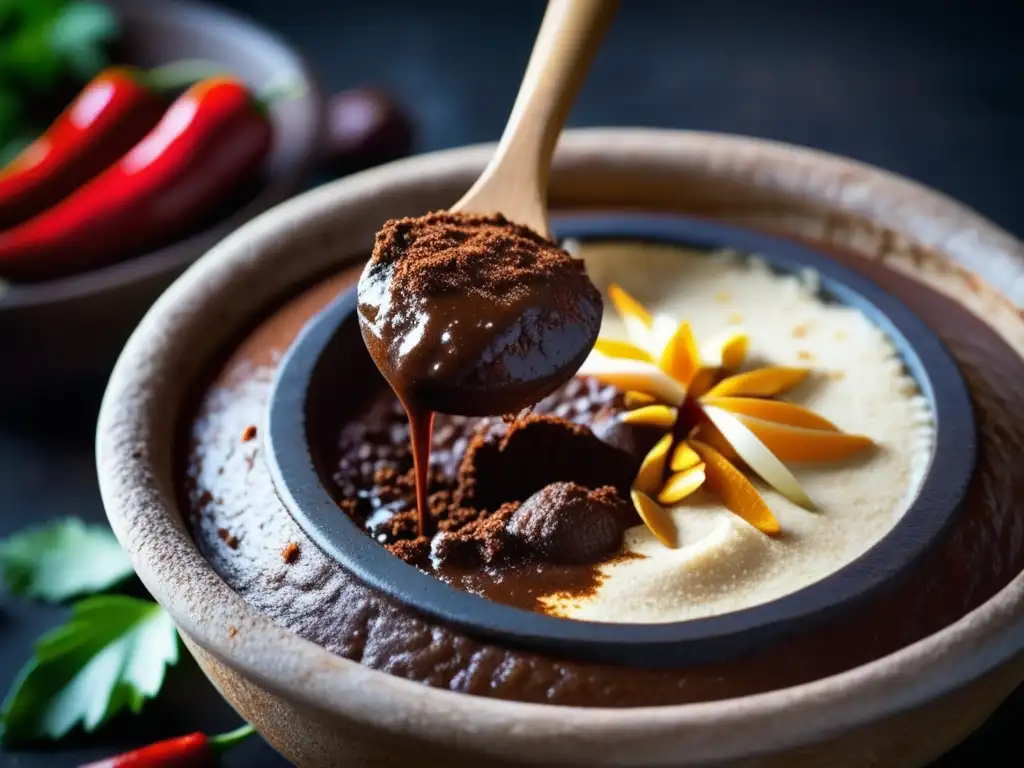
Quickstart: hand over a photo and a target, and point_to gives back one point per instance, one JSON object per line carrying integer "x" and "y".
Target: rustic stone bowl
{"x": 903, "y": 708}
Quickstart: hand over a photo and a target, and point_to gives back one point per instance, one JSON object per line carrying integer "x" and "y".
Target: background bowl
{"x": 67, "y": 330}
{"x": 901, "y": 709}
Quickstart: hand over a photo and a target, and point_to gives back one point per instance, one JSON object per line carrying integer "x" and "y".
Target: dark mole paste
{"x": 522, "y": 508}
{"x": 226, "y": 486}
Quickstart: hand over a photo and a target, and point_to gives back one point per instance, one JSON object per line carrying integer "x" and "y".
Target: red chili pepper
{"x": 105, "y": 120}
{"x": 193, "y": 750}
{"x": 210, "y": 139}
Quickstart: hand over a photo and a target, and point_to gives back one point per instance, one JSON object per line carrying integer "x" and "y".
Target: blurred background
{"x": 931, "y": 90}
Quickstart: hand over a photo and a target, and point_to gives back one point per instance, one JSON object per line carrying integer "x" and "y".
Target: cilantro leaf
{"x": 12, "y": 148}
{"x": 79, "y": 35}
{"x": 61, "y": 560}
{"x": 12, "y": 113}
{"x": 111, "y": 655}
{"x": 29, "y": 58}
{"x": 43, "y": 42}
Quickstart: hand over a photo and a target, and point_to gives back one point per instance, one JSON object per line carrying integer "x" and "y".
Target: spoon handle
{"x": 515, "y": 181}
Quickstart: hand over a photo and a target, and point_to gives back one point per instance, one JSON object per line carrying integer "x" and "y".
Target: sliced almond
{"x": 790, "y": 443}
{"x": 681, "y": 359}
{"x": 737, "y": 493}
{"x": 634, "y": 399}
{"x": 683, "y": 457}
{"x": 634, "y": 316}
{"x": 762, "y": 382}
{"x": 708, "y": 433}
{"x": 682, "y": 484}
{"x": 651, "y": 475}
{"x": 622, "y": 349}
{"x": 657, "y": 519}
{"x": 662, "y": 416}
{"x": 757, "y": 456}
{"x": 772, "y": 410}
{"x": 634, "y": 375}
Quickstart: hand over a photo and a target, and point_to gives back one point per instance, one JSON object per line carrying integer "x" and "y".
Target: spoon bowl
{"x": 481, "y": 338}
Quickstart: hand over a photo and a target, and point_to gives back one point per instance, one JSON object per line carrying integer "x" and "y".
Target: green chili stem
{"x": 181, "y": 74}
{"x": 290, "y": 86}
{"x": 226, "y": 741}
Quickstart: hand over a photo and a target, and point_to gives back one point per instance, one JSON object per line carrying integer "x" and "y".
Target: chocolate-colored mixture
{"x": 473, "y": 315}
{"x": 227, "y": 485}
{"x": 522, "y": 509}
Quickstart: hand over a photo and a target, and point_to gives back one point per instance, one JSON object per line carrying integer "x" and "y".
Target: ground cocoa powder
{"x": 534, "y": 451}
{"x": 483, "y": 256}
{"x": 485, "y": 470}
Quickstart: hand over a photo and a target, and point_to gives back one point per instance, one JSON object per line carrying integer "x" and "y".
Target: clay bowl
{"x": 71, "y": 329}
{"x": 329, "y": 355}
{"x": 902, "y": 705}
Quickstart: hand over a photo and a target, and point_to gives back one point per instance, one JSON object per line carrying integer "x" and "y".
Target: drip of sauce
{"x": 421, "y": 428}
{"x": 472, "y": 315}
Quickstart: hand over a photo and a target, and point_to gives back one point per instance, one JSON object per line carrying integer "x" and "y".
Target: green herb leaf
{"x": 12, "y": 113}
{"x": 79, "y": 35}
{"x": 29, "y": 57}
{"x": 111, "y": 655}
{"x": 31, "y": 12}
{"x": 61, "y": 560}
{"x": 12, "y": 148}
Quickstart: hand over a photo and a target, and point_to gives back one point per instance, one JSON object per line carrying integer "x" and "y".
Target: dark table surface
{"x": 930, "y": 90}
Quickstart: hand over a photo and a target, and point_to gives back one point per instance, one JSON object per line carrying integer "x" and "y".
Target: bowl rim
{"x": 939, "y": 497}
{"x": 134, "y": 467}
{"x": 179, "y": 253}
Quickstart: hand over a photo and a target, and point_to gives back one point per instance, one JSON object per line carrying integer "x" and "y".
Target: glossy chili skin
{"x": 191, "y": 751}
{"x": 194, "y": 750}
{"x": 114, "y": 110}
{"x": 213, "y": 137}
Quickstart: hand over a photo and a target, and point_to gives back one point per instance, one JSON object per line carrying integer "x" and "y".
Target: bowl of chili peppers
{"x": 197, "y": 121}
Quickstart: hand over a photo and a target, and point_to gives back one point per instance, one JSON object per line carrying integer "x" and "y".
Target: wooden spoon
{"x": 460, "y": 353}
{"x": 515, "y": 182}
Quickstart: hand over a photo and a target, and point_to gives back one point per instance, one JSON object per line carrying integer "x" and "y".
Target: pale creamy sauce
{"x": 859, "y": 383}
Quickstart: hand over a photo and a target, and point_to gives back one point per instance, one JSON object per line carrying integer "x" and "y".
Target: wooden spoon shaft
{"x": 515, "y": 182}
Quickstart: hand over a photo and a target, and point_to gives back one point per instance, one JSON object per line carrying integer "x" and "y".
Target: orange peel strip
{"x": 709, "y": 434}
{"x": 772, "y": 410}
{"x": 791, "y": 443}
{"x": 683, "y": 458}
{"x": 635, "y": 317}
{"x": 661, "y": 416}
{"x": 682, "y": 484}
{"x": 651, "y": 475}
{"x": 622, "y": 349}
{"x": 762, "y": 382}
{"x": 757, "y": 456}
{"x": 681, "y": 359}
{"x": 702, "y": 381}
{"x": 737, "y": 493}
{"x": 734, "y": 351}
{"x": 656, "y": 518}
{"x": 634, "y": 399}
{"x": 727, "y": 351}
